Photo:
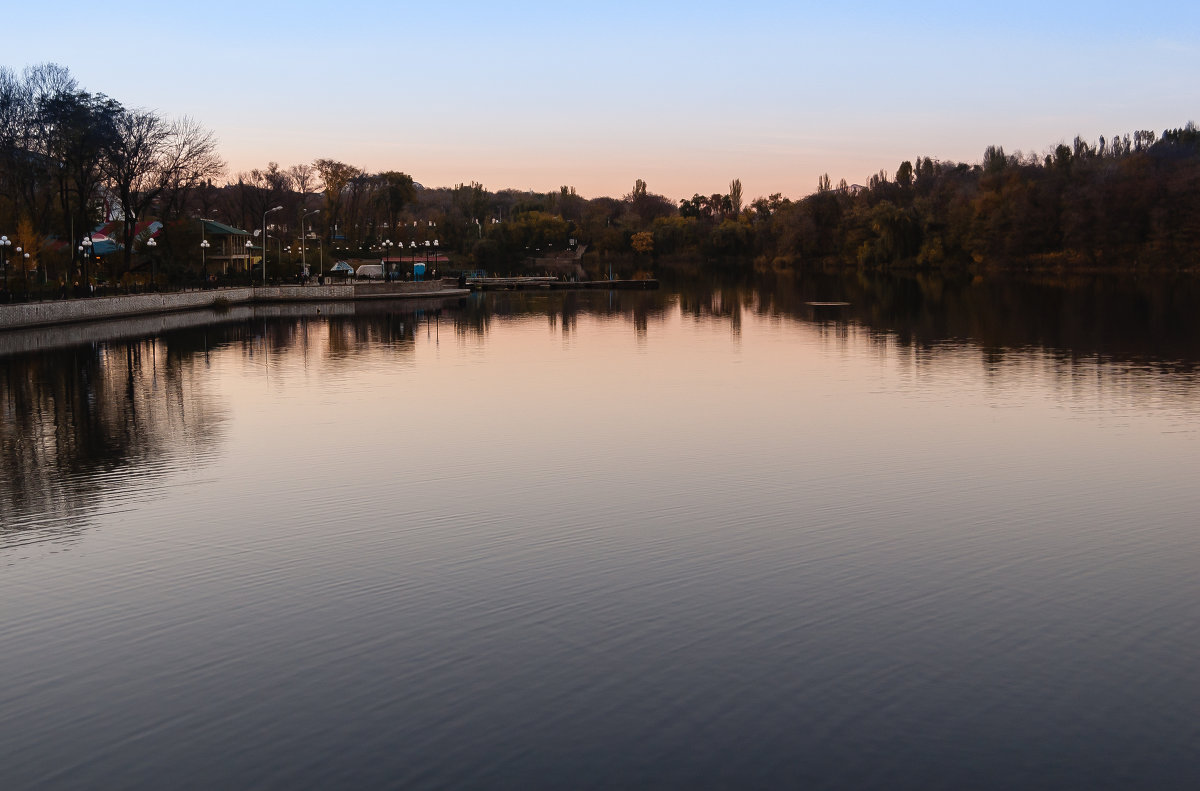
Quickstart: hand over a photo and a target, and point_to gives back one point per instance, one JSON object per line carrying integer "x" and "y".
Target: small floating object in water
{"x": 827, "y": 304}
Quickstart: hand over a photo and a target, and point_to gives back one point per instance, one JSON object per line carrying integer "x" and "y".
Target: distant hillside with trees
{"x": 1132, "y": 201}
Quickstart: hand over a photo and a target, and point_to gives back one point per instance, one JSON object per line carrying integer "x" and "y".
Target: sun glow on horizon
{"x": 685, "y": 96}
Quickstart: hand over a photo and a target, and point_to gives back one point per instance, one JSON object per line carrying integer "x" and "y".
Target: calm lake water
{"x": 946, "y": 536}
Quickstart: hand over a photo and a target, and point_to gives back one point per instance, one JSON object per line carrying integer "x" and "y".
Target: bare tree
{"x": 304, "y": 177}
{"x": 190, "y": 161}
{"x": 150, "y": 158}
{"x": 137, "y": 168}
{"x": 250, "y": 197}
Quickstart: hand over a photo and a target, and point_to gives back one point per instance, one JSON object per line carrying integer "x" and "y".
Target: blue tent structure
{"x": 105, "y": 237}
{"x": 339, "y": 270}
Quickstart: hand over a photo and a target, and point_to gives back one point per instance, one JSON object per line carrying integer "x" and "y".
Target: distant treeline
{"x": 1129, "y": 202}
{"x": 70, "y": 160}
{"x": 1126, "y": 203}
{"x": 1132, "y": 201}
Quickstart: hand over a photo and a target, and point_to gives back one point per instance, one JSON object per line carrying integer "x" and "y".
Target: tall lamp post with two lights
{"x": 428, "y": 246}
{"x": 386, "y": 245}
{"x": 304, "y": 244}
{"x": 204, "y": 245}
{"x": 264, "y": 240}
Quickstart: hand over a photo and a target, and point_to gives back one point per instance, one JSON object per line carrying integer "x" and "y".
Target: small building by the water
{"x": 227, "y": 247}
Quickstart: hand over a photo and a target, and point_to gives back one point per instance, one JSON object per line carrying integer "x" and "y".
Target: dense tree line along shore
{"x": 71, "y": 159}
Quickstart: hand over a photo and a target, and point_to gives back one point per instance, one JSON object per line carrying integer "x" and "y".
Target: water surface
{"x": 711, "y": 536}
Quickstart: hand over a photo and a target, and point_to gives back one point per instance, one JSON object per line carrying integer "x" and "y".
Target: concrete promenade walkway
{"x": 66, "y": 311}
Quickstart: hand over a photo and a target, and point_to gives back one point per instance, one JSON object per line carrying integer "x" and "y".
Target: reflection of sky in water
{"x": 653, "y": 539}
{"x": 84, "y": 424}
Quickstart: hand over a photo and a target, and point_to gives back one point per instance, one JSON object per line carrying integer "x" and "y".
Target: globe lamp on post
{"x": 204, "y": 245}
{"x": 151, "y": 244}
{"x": 4, "y": 243}
{"x": 87, "y": 253}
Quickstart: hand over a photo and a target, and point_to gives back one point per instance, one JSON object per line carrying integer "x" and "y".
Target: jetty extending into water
{"x": 552, "y": 283}
{"x": 68, "y": 311}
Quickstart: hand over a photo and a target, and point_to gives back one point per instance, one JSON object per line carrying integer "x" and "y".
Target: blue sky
{"x": 687, "y": 96}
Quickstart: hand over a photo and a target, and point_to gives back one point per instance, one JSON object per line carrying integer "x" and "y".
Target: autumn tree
{"x": 642, "y": 242}
{"x": 395, "y": 190}
{"x": 336, "y": 177}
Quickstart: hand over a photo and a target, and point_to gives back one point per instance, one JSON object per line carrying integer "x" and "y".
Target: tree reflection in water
{"x": 77, "y": 419}
{"x": 81, "y": 420}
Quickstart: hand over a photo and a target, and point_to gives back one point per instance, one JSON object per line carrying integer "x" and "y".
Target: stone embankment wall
{"x": 34, "y": 314}
{"x": 42, "y": 338}
{"x": 37, "y": 314}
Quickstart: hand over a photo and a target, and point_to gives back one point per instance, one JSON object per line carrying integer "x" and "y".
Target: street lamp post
{"x": 87, "y": 253}
{"x": 304, "y": 243}
{"x": 249, "y": 268}
{"x": 387, "y": 245}
{"x": 264, "y": 240}
{"x": 204, "y": 245}
{"x": 4, "y": 242}
{"x": 153, "y": 278}
{"x": 435, "y": 256}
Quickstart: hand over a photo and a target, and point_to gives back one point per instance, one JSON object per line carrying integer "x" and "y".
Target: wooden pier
{"x": 554, "y": 284}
